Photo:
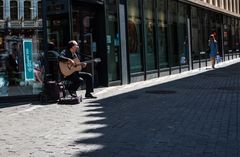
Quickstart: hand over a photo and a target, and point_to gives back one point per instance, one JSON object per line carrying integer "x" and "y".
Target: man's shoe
{"x": 90, "y": 96}
{"x": 73, "y": 93}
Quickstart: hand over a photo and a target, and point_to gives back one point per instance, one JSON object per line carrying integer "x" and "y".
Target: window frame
{"x": 27, "y": 9}
{"x": 14, "y": 10}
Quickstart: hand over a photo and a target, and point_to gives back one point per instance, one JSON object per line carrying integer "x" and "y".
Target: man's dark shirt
{"x": 65, "y": 55}
{"x": 76, "y": 77}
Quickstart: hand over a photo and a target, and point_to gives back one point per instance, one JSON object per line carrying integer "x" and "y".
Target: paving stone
{"x": 200, "y": 118}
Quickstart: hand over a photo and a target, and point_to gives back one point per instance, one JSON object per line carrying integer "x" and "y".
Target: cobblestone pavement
{"x": 194, "y": 114}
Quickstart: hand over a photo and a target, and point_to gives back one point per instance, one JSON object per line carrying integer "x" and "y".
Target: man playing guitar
{"x": 70, "y": 58}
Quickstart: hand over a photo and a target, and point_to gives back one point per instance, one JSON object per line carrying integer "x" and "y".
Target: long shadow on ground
{"x": 194, "y": 116}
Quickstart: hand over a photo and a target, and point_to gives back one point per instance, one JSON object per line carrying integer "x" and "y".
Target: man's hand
{"x": 71, "y": 62}
{"x": 83, "y": 65}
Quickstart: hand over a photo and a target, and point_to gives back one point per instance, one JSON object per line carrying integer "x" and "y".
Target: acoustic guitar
{"x": 67, "y": 69}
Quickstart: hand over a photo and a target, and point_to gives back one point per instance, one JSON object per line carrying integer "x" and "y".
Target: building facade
{"x": 168, "y": 36}
{"x": 135, "y": 39}
{"x": 143, "y": 39}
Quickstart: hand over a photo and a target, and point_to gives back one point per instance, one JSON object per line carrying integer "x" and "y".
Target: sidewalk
{"x": 193, "y": 114}
{"x": 115, "y": 90}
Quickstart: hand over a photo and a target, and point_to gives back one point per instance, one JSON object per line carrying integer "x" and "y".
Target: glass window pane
{"x": 233, "y": 35}
{"x": 182, "y": 34}
{"x": 149, "y": 35}
{"x": 14, "y": 10}
{"x": 58, "y": 31}
{"x": 21, "y": 65}
{"x": 200, "y": 32}
{"x": 237, "y": 35}
{"x": 172, "y": 31}
{"x": 27, "y": 10}
{"x": 135, "y": 35}
{"x": 113, "y": 43}
{"x": 162, "y": 33}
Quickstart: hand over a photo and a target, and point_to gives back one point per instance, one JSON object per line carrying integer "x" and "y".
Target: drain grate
{"x": 161, "y": 92}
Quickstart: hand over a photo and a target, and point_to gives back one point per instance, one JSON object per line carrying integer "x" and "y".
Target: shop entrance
{"x": 82, "y": 21}
{"x": 86, "y": 27}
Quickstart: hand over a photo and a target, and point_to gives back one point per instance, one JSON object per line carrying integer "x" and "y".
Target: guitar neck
{"x": 89, "y": 61}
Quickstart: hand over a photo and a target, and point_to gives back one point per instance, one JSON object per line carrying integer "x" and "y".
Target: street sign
{"x": 28, "y": 60}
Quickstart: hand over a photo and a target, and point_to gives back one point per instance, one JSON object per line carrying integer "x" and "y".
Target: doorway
{"x": 87, "y": 23}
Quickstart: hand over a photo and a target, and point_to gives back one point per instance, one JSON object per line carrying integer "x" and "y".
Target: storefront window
{"x": 113, "y": 41}
{"x": 27, "y": 10}
{"x": 233, "y": 35}
{"x": 58, "y": 23}
{"x": 21, "y": 57}
{"x": 227, "y": 40}
{"x": 162, "y": 33}
{"x": 14, "y": 9}
{"x": 200, "y": 33}
{"x": 212, "y": 23}
{"x": 149, "y": 35}
{"x": 22, "y": 66}
{"x": 58, "y": 32}
{"x": 219, "y": 37}
{"x": 195, "y": 25}
{"x": 172, "y": 32}
{"x": 182, "y": 34}
{"x": 230, "y": 50}
{"x": 237, "y": 35}
{"x": 135, "y": 35}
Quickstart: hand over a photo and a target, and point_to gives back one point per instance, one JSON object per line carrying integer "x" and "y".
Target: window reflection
{"x": 113, "y": 41}
{"x": 162, "y": 33}
{"x": 149, "y": 35}
{"x": 134, "y": 35}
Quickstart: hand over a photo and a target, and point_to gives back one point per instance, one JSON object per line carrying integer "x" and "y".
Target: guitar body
{"x": 66, "y": 69}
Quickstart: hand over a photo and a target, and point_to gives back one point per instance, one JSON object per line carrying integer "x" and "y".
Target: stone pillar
{"x": 237, "y": 5}
{"x": 210, "y": 2}
{"x": 221, "y": 4}
{"x": 227, "y": 1}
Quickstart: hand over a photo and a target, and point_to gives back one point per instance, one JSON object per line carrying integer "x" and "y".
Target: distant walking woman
{"x": 213, "y": 45}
